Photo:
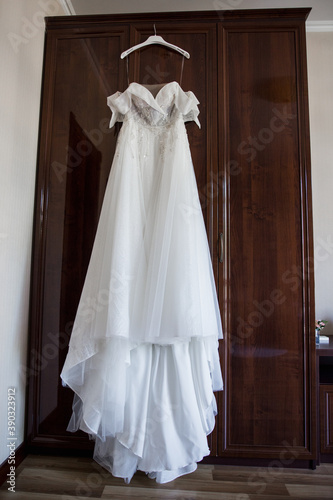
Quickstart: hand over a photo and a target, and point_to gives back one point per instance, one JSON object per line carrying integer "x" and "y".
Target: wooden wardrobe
{"x": 252, "y": 164}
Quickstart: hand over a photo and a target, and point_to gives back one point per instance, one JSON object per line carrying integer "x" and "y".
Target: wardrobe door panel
{"x": 76, "y": 148}
{"x": 267, "y": 229}
{"x": 83, "y": 67}
{"x": 158, "y": 64}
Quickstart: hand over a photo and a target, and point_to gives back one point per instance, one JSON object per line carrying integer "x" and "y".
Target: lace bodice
{"x": 139, "y": 104}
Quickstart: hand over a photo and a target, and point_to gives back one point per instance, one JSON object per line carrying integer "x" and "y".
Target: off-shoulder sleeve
{"x": 187, "y": 104}
{"x": 119, "y": 103}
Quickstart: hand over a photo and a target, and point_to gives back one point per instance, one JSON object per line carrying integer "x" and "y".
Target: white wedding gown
{"x": 143, "y": 355}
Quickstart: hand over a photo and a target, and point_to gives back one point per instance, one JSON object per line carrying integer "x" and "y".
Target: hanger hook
{"x": 155, "y": 29}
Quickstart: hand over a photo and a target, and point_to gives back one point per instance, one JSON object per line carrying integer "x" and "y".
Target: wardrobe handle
{"x": 221, "y": 247}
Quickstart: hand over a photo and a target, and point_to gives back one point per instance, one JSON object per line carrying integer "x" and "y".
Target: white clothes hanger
{"x": 152, "y": 40}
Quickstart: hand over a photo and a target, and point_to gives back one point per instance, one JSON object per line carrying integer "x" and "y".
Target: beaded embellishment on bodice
{"x": 139, "y": 103}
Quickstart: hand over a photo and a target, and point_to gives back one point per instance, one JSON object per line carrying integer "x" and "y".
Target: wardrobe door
{"x": 75, "y": 150}
{"x": 267, "y": 276}
{"x": 83, "y": 67}
{"x": 199, "y": 75}
{"x": 157, "y": 64}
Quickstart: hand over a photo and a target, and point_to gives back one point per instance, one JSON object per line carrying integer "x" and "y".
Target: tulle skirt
{"x": 148, "y": 407}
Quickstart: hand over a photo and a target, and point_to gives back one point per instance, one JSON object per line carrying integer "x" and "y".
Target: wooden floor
{"x": 59, "y": 478}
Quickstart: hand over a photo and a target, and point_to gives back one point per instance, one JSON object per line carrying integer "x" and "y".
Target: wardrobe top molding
{"x": 96, "y": 21}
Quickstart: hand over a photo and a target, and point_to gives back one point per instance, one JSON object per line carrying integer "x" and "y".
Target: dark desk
{"x": 324, "y": 363}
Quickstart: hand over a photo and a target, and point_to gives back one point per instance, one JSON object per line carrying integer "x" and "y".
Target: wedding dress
{"x": 143, "y": 355}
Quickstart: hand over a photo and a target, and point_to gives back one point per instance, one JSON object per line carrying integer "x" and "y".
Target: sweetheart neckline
{"x": 155, "y": 98}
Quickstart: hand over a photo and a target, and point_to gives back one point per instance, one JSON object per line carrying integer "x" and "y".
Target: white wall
{"x": 320, "y": 74}
{"x": 320, "y": 9}
{"x": 21, "y": 56}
